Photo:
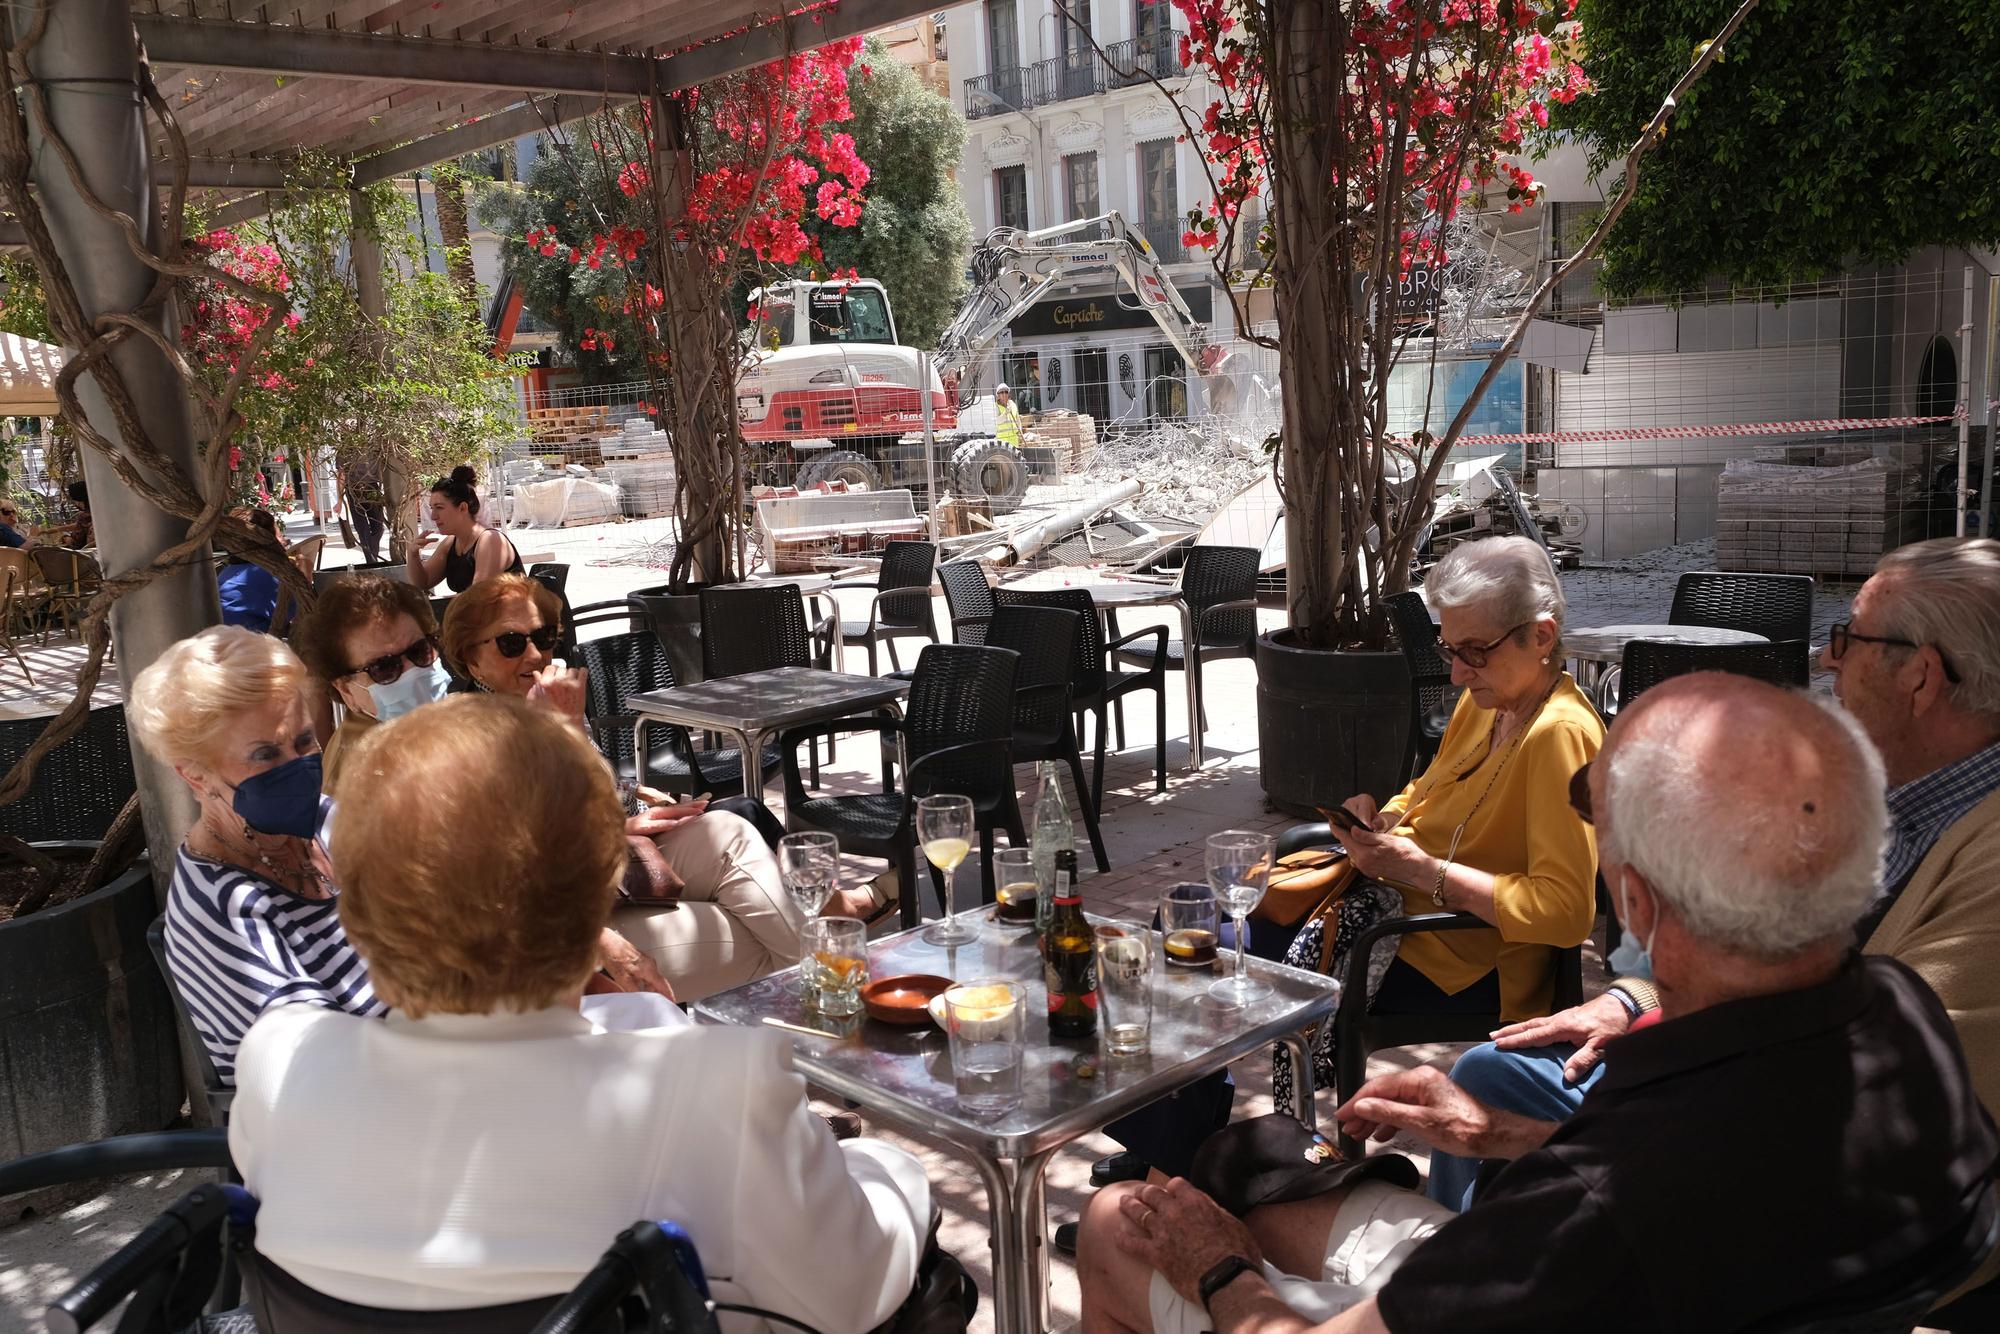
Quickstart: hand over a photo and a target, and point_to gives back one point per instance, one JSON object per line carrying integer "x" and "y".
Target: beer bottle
{"x": 1069, "y": 962}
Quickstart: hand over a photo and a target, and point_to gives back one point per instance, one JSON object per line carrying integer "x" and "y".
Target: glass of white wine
{"x": 1239, "y": 868}
{"x": 810, "y": 865}
{"x": 944, "y": 827}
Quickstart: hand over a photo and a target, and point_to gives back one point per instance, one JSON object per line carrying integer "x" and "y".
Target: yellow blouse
{"x": 1524, "y": 833}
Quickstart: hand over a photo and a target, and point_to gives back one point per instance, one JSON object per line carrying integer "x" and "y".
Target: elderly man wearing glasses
{"x": 1918, "y": 666}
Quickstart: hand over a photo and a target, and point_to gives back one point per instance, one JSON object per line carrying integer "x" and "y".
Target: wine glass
{"x": 810, "y": 865}
{"x": 1239, "y": 868}
{"x": 944, "y": 827}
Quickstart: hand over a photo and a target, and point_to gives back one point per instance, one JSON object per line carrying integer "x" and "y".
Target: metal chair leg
{"x": 1160, "y": 738}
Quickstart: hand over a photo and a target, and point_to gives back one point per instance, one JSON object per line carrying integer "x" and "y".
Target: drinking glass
{"x": 1190, "y": 925}
{"x": 1015, "y": 885}
{"x": 1239, "y": 869}
{"x": 983, "y": 1020}
{"x": 1125, "y": 988}
{"x": 810, "y": 864}
{"x": 944, "y": 827}
{"x": 835, "y": 964}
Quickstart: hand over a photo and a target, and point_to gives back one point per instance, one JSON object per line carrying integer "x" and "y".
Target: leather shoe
{"x": 1118, "y": 1167}
{"x": 1066, "y": 1239}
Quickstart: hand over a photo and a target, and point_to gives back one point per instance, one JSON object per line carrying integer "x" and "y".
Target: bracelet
{"x": 1437, "y": 890}
{"x": 1631, "y": 1006}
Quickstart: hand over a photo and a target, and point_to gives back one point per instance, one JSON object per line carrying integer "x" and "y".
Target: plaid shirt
{"x": 1923, "y": 808}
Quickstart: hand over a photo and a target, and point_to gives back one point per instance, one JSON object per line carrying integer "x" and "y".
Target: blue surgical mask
{"x": 1631, "y": 959}
{"x": 416, "y": 687}
{"x": 284, "y": 800}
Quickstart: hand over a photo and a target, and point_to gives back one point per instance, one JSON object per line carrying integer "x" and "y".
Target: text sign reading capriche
{"x": 1087, "y": 314}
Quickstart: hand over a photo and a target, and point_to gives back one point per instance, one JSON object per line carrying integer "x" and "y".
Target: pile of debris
{"x": 1071, "y": 436}
{"x": 1189, "y": 469}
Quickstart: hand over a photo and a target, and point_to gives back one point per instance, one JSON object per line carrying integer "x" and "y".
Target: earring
{"x": 1545, "y": 662}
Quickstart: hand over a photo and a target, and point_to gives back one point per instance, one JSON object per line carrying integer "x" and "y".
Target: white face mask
{"x": 1631, "y": 959}
{"x": 416, "y": 687}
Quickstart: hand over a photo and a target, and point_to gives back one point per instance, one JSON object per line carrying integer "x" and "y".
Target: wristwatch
{"x": 1221, "y": 1275}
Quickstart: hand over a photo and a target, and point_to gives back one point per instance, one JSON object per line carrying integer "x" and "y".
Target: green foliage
{"x": 23, "y": 309}
{"x": 914, "y": 232}
{"x": 1834, "y": 133}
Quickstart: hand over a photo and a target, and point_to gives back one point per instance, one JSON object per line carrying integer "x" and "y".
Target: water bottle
{"x": 1053, "y": 836}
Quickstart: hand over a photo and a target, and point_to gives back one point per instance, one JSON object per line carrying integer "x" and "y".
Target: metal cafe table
{"x": 1604, "y": 647}
{"x": 904, "y": 1075}
{"x": 752, "y": 706}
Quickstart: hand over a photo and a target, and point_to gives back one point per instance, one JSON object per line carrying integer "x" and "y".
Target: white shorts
{"x": 1377, "y": 1227}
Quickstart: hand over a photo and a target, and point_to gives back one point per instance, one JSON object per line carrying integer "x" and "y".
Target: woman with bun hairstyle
{"x": 470, "y": 550}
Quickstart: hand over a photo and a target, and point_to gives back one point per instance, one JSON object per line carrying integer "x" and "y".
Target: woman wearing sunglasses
{"x": 373, "y": 643}
{"x": 500, "y": 635}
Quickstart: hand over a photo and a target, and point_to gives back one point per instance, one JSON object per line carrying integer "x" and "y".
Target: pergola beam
{"x": 794, "y": 33}
{"x": 285, "y": 51}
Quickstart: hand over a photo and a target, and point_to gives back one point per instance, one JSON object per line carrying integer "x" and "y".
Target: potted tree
{"x": 1367, "y": 130}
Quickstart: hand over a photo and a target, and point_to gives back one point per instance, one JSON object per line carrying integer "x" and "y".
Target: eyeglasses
{"x": 1579, "y": 792}
{"x": 1474, "y": 655}
{"x": 513, "y": 643}
{"x": 8, "y": 513}
{"x": 388, "y": 668}
{"x": 1841, "y": 634}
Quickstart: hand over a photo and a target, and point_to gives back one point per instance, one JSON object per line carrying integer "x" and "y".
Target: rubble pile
{"x": 1188, "y": 471}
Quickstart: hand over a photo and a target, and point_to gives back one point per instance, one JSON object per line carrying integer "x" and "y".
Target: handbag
{"x": 1303, "y": 885}
{"x": 649, "y": 882}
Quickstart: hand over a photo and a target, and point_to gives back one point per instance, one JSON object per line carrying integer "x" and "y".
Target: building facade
{"x": 1065, "y": 122}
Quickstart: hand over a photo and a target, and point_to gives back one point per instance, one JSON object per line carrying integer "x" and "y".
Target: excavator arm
{"x": 1013, "y": 269}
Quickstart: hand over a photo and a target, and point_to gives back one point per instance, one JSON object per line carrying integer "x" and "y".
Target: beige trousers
{"x": 735, "y": 921}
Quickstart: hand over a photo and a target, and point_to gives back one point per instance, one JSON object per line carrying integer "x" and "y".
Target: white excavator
{"x": 831, "y": 394}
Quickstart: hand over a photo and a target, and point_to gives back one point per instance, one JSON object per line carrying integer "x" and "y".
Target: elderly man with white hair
{"x": 1797, "y": 1138}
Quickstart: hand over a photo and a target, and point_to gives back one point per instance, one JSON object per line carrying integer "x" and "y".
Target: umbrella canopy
{"x": 28, "y": 371}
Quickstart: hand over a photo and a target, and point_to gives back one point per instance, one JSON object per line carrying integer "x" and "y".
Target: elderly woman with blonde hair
{"x": 483, "y": 1145}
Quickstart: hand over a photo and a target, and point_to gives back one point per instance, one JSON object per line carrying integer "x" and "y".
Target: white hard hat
{"x": 1001, "y": 389}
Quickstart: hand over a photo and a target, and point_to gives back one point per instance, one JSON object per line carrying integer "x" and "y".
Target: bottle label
{"x": 1069, "y": 900}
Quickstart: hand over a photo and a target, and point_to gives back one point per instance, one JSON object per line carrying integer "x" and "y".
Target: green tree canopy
{"x": 914, "y": 232}
{"x": 1836, "y": 132}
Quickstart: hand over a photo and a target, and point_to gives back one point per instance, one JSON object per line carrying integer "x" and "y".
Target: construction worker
{"x": 1006, "y": 417}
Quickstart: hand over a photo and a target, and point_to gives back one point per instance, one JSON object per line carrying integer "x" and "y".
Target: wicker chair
{"x": 1044, "y": 714}
{"x": 79, "y": 787}
{"x": 756, "y": 628}
{"x": 1776, "y": 606}
{"x": 1097, "y": 688}
{"x": 1431, "y": 690}
{"x": 969, "y": 597}
{"x": 1648, "y": 662}
{"x": 957, "y": 731}
{"x": 901, "y": 607}
{"x": 72, "y": 579}
{"x": 633, "y": 663}
{"x": 13, "y": 611}
{"x": 1219, "y": 585}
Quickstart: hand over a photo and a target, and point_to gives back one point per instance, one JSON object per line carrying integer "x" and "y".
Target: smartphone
{"x": 1343, "y": 819}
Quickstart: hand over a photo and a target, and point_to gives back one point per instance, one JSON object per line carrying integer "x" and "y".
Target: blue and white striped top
{"x": 239, "y": 944}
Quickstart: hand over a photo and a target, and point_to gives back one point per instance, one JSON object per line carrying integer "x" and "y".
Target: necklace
{"x": 290, "y": 866}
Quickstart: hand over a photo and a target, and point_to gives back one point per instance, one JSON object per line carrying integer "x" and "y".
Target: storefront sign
{"x": 1075, "y": 315}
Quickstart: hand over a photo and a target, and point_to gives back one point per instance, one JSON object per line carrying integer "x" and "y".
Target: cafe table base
{"x": 903, "y": 1077}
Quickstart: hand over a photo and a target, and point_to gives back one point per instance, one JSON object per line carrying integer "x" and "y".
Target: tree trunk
{"x": 455, "y": 230}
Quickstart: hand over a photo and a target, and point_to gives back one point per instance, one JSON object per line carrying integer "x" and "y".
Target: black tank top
{"x": 459, "y": 568}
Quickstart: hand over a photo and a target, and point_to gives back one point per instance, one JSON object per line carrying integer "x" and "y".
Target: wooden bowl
{"x": 903, "y": 1000}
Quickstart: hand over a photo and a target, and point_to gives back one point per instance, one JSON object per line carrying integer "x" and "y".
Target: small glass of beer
{"x": 1190, "y": 925}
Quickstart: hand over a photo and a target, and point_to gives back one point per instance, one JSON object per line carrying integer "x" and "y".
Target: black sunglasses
{"x": 1474, "y": 655}
{"x": 1840, "y": 634}
{"x": 388, "y": 668}
{"x": 1579, "y": 792}
{"x": 513, "y": 643}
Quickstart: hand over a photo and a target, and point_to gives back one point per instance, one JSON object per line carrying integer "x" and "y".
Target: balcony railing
{"x": 1073, "y": 74}
{"x": 1165, "y": 239}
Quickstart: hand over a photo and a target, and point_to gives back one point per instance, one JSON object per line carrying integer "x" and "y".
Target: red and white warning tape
{"x": 1700, "y": 432}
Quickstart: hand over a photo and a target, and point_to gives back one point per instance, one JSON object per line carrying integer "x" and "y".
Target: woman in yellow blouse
{"x": 1487, "y": 828}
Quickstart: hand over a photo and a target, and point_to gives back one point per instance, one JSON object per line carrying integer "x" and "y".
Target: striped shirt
{"x": 239, "y": 944}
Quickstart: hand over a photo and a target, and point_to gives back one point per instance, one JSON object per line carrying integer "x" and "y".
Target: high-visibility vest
{"x": 1007, "y": 427}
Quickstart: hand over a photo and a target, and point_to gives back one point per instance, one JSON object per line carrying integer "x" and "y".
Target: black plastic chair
{"x": 1044, "y": 714}
{"x": 757, "y": 628}
{"x": 1219, "y": 585}
{"x": 957, "y": 731}
{"x": 219, "y": 1094}
{"x": 634, "y": 663}
{"x": 1431, "y": 690}
{"x": 968, "y": 597}
{"x": 79, "y": 787}
{"x": 1095, "y": 686}
{"x": 1360, "y": 1031}
{"x": 1901, "y": 1298}
{"x": 1648, "y": 662}
{"x": 555, "y": 578}
{"x": 1776, "y": 606}
{"x": 901, "y": 607}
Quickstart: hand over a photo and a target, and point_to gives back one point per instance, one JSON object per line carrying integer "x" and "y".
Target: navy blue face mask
{"x": 284, "y": 800}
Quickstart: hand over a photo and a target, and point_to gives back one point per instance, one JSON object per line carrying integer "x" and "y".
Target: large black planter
{"x": 86, "y": 1025}
{"x": 1329, "y": 724}
{"x": 676, "y": 619}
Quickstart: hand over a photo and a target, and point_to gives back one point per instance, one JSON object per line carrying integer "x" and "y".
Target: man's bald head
{"x": 1755, "y": 813}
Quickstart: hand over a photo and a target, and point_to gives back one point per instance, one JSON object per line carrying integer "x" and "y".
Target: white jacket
{"x": 456, "y": 1161}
